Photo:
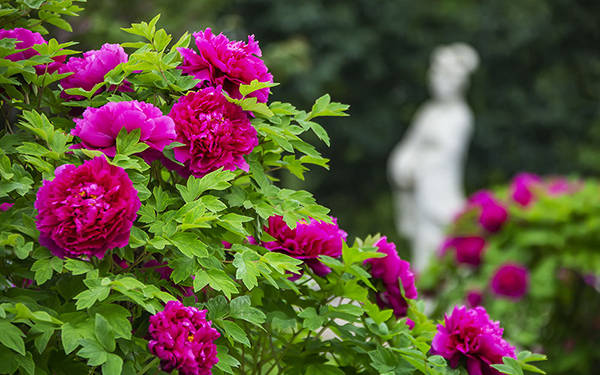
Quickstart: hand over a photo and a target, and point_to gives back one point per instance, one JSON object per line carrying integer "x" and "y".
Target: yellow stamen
{"x": 191, "y": 338}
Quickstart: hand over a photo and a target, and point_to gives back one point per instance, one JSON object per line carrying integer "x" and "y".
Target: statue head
{"x": 450, "y": 68}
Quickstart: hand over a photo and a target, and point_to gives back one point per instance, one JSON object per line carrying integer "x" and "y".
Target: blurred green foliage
{"x": 535, "y": 95}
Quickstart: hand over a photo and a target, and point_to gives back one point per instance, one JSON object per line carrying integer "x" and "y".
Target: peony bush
{"x": 143, "y": 229}
{"x": 528, "y": 253}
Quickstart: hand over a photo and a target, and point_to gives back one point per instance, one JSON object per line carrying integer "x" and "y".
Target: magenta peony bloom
{"x": 86, "y": 210}
{"x": 216, "y": 133}
{"x": 225, "y": 63}
{"x": 307, "y": 241}
{"x": 26, "y": 39}
{"x": 468, "y": 249}
{"x": 470, "y": 335}
{"x": 6, "y": 206}
{"x": 511, "y": 280}
{"x": 392, "y": 270}
{"x": 474, "y": 298}
{"x": 492, "y": 215}
{"x": 99, "y": 127}
{"x": 183, "y": 339}
{"x": 521, "y": 188}
{"x": 91, "y": 69}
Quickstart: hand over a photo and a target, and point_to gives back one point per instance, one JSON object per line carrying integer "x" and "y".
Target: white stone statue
{"x": 426, "y": 167}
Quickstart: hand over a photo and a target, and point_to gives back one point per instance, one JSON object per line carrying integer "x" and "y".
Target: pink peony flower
{"x": 99, "y": 127}
{"x": 468, "y": 249}
{"x": 226, "y": 63}
{"x": 91, "y": 69}
{"x": 470, "y": 335}
{"x": 392, "y": 270}
{"x": 521, "y": 188}
{"x": 511, "y": 280}
{"x": 25, "y": 40}
{"x": 6, "y": 206}
{"x": 86, "y": 210}
{"x": 183, "y": 339}
{"x": 474, "y": 298}
{"x": 216, "y": 133}
{"x": 307, "y": 241}
{"x": 492, "y": 214}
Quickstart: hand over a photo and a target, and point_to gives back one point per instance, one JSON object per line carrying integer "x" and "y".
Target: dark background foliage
{"x": 535, "y": 95}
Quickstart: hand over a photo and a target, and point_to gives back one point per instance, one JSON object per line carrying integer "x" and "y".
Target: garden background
{"x": 535, "y": 95}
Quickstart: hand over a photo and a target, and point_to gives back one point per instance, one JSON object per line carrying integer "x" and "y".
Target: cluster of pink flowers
{"x": 225, "y": 63}
{"x": 469, "y": 335}
{"x": 91, "y": 69}
{"x": 525, "y": 186}
{"x": 99, "y": 127}
{"x": 307, "y": 241}
{"x": 393, "y": 272}
{"x": 86, "y": 210}
{"x": 492, "y": 214}
{"x": 26, "y": 39}
{"x": 183, "y": 339}
{"x": 215, "y": 132}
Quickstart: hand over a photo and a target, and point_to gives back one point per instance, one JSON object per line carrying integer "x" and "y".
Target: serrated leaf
{"x": 128, "y": 142}
{"x": 189, "y": 244}
{"x": 255, "y": 85}
{"x": 216, "y": 279}
{"x": 234, "y": 331}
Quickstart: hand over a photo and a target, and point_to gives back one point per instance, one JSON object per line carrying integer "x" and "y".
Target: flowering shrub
{"x": 536, "y": 273}
{"x": 142, "y": 229}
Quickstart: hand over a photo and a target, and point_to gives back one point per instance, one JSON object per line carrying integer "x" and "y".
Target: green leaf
{"x": 12, "y": 337}
{"x": 113, "y": 365}
{"x": 104, "y": 333}
{"x": 216, "y": 279}
{"x": 218, "y": 307}
{"x": 226, "y": 361}
{"x": 182, "y": 267}
{"x": 87, "y": 298}
{"x": 234, "y": 223}
{"x": 379, "y": 316}
{"x": 234, "y": 331}
{"x": 247, "y": 269}
{"x": 26, "y": 363}
{"x": 281, "y": 263}
{"x": 255, "y": 85}
{"x": 43, "y": 270}
{"x": 216, "y": 180}
{"x": 128, "y": 143}
{"x": 240, "y": 308}
{"x": 45, "y": 333}
{"x": 312, "y": 320}
{"x": 35, "y": 4}
{"x": 118, "y": 318}
{"x": 322, "y": 369}
{"x": 189, "y": 244}
{"x": 324, "y": 107}
{"x": 78, "y": 267}
{"x": 93, "y": 351}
